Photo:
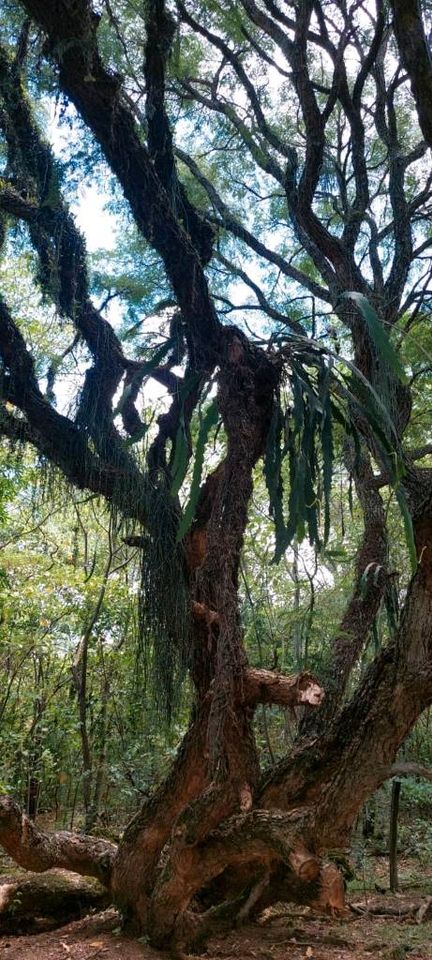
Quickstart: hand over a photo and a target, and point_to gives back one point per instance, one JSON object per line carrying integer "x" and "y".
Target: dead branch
{"x": 37, "y": 850}
{"x": 265, "y": 686}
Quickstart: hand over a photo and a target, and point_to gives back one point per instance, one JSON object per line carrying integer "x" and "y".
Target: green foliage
{"x": 207, "y": 421}
{"x": 273, "y": 477}
{"x": 53, "y": 562}
{"x": 379, "y": 336}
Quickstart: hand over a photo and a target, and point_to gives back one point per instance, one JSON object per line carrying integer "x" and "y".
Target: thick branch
{"x": 264, "y": 686}
{"x": 409, "y": 769}
{"x": 148, "y": 832}
{"x": 62, "y": 253}
{"x": 161, "y": 29}
{"x": 39, "y": 851}
{"x": 416, "y": 58}
{"x": 55, "y": 436}
{"x": 72, "y": 33}
{"x": 29, "y": 904}
{"x": 257, "y": 836}
{"x": 354, "y": 756}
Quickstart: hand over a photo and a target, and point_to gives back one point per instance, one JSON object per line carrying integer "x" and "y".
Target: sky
{"x": 98, "y": 224}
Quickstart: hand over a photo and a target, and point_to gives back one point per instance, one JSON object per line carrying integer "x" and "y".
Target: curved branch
{"x": 59, "y": 245}
{"x": 265, "y": 305}
{"x": 161, "y": 27}
{"x": 260, "y": 835}
{"x": 57, "y": 437}
{"x": 410, "y": 769}
{"x": 257, "y": 147}
{"x": 36, "y": 850}
{"x": 98, "y": 96}
{"x": 230, "y": 57}
{"x": 229, "y": 222}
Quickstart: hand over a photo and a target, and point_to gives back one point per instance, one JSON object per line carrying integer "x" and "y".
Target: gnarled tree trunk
{"x": 234, "y": 846}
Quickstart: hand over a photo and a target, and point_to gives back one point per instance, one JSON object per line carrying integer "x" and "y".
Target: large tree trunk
{"x": 257, "y": 856}
{"x": 217, "y": 842}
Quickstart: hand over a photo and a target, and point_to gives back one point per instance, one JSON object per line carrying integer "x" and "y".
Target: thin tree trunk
{"x": 393, "y": 838}
{"x": 101, "y": 759}
{"x": 79, "y": 674}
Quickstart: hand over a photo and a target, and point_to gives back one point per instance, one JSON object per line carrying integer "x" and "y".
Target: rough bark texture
{"x": 39, "y": 851}
{"x": 34, "y": 903}
{"x": 416, "y": 58}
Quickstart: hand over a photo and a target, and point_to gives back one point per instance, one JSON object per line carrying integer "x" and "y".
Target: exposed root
{"x": 259, "y": 838}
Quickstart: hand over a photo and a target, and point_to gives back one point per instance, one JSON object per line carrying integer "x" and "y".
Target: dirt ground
{"x": 284, "y": 936}
{"x": 284, "y": 933}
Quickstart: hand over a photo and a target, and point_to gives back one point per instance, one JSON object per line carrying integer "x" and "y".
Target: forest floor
{"x": 284, "y": 933}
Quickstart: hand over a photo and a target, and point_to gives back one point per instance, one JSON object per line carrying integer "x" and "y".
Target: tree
{"x": 74, "y": 709}
{"x": 331, "y": 163}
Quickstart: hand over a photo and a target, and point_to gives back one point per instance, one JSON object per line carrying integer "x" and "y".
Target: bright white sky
{"x": 98, "y": 224}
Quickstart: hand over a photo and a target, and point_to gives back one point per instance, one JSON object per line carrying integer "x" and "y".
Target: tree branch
{"x": 409, "y": 769}
{"x": 267, "y": 686}
{"x": 416, "y": 58}
{"x": 229, "y": 222}
{"x": 100, "y": 101}
{"x": 39, "y": 851}
{"x": 57, "y": 437}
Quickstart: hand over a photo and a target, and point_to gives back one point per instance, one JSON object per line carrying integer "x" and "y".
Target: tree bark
{"x": 38, "y": 851}
{"x": 27, "y": 904}
{"x": 416, "y": 58}
{"x": 393, "y": 837}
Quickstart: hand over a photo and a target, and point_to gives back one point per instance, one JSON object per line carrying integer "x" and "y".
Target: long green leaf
{"x": 327, "y": 448}
{"x": 273, "y": 479}
{"x": 182, "y": 450}
{"x": 208, "y": 421}
{"x": 378, "y": 333}
{"x": 181, "y": 459}
{"x": 408, "y": 526}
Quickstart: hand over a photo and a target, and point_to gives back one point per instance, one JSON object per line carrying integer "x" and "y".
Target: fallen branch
{"x": 29, "y": 904}
{"x": 36, "y": 850}
{"x": 421, "y": 912}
